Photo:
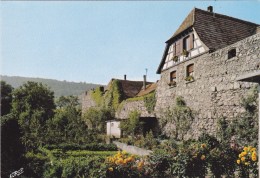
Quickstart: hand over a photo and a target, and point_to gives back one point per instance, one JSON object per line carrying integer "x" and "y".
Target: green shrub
{"x": 90, "y": 147}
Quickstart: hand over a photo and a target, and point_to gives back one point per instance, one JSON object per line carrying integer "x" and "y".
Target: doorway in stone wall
{"x": 150, "y": 124}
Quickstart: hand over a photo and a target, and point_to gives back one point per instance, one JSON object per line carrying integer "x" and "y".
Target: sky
{"x": 95, "y": 41}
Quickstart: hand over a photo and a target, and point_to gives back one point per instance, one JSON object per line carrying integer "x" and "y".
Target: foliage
{"x": 33, "y": 105}
{"x": 6, "y": 98}
{"x": 160, "y": 162}
{"x": 247, "y": 161}
{"x": 114, "y": 96}
{"x": 96, "y": 118}
{"x": 133, "y": 125}
{"x": 57, "y": 163}
{"x": 176, "y": 121}
{"x": 189, "y": 78}
{"x": 67, "y": 126}
{"x": 150, "y": 101}
{"x": 124, "y": 165}
{"x": 12, "y": 149}
{"x": 90, "y": 147}
{"x": 97, "y": 96}
{"x": 67, "y": 101}
{"x": 243, "y": 129}
{"x": 147, "y": 142}
{"x": 35, "y": 164}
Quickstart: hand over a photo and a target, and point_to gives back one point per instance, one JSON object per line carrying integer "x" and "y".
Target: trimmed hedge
{"x": 90, "y": 147}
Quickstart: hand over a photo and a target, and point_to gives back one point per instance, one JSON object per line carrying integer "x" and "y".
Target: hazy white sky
{"x": 94, "y": 41}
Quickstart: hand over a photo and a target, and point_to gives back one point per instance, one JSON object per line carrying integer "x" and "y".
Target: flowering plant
{"x": 247, "y": 161}
{"x": 125, "y": 165}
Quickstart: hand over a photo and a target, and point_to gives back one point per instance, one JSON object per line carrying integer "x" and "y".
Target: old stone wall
{"x": 87, "y": 101}
{"x": 128, "y": 106}
{"x": 214, "y": 92}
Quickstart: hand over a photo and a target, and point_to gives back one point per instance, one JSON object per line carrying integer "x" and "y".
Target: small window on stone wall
{"x": 172, "y": 78}
{"x": 190, "y": 73}
{"x": 232, "y": 53}
{"x": 173, "y": 75}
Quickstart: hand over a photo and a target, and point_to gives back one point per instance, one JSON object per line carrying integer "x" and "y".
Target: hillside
{"x": 59, "y": 87}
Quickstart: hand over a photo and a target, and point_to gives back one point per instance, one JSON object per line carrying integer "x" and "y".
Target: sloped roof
{"x": 214, "y": 30}
{"x": 149, "y": 88}
{"x": 130, "y": 88}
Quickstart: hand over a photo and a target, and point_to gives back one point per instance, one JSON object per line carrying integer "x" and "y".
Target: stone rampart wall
{"x": 214, "y": 92}
{"x": 87, "y": 102}
{"x": 129, "y": 106}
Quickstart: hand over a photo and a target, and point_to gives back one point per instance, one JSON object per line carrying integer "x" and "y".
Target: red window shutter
{"x": 191, "y": 41}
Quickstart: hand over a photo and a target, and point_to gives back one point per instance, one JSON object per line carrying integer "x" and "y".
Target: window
{"x": 190, "y": 73}
{"x": 172, "y": 82}
{"x": 188, "y": 42}
{"x": 232, "y": 53}
{"x": 173, "y": 76}
{"x": 190, "y": 70}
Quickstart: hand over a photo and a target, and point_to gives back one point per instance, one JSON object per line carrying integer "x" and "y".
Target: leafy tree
{"x": 6, "y": 98}
{"x": 133, "y": 125}
{"x": 33, "y": 104}
{"x": 11, "y": 147}
{"x": 176, "y": 121}
{"x": 96, "y": 119}
{"x": 67, "y": 125}
{"x": 67, "y": 101}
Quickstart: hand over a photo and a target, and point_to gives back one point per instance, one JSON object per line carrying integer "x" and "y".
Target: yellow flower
{"x": 244, "y": 153}
{"x": 202, "y": 157}
{"x": 123, "y": 152}
{"x": 203, "y": 145}
{"x": 253, "y": 150}
{"x": 254, "y": 158}
{"x": 245, "y": 148}
{"x": 238, "y": 161}
{"x": 243, "y": 159}
{"x": 110, "y": 169}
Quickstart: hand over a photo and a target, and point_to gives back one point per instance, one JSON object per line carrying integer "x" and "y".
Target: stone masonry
{"x": 215, "y": 92}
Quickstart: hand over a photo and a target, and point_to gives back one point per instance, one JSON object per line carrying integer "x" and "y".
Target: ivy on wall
{"x": 110, "y": 99}
{"x": 150, "y": 102}
{"x": 97, "y": 96}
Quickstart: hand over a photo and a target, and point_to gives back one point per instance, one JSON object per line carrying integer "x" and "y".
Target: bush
{"x": 247, "y": 161}
{"x": 90, "y": 147}
{"x": 125, "y": 166}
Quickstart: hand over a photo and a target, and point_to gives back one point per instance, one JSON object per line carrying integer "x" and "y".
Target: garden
{"x": 49, "y": 137}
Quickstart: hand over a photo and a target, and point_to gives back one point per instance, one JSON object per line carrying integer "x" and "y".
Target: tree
{"x": 6, "y": 98}
{"x": 176, "y": 121}
{"x": 12, "y": 149}
{"x": 33, "y": 104}
{"x": 67, "y": 125}
{"x": 67, "y": 101}
{"x": 133, "y": 125}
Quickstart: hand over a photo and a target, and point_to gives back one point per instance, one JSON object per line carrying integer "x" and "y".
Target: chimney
{"x": 144, "y": 84}
{"x": 124, "y": 77}
{"x": 210, "y": 9}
